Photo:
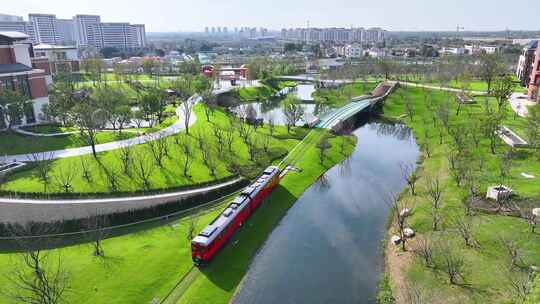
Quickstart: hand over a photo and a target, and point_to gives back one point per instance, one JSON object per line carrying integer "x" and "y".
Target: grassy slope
{"x": 13, "y": 143}
{"x": 218, "y": 282}
{"x": 146, "y": 265}
{"x": 137, "y": 267}
{"x": 339, "y": 97}
{"x": 171, "y": 175}
{"x": 483, "y": 266}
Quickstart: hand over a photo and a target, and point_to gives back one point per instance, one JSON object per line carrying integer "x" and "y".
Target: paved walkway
{"x": 520, "y": 103}
{"x": 225, "y": 86}
{"x": 432, "y": 87}
{"x": 173, "y": 129}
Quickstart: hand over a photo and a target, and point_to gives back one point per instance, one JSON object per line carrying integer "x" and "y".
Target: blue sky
{"x": 174, "y": 15}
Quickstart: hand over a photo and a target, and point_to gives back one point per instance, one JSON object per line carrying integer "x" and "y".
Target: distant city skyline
{"x": 393, "y": 15}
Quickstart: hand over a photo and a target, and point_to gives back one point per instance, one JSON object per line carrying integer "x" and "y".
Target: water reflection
{"x": 326, "y": 248}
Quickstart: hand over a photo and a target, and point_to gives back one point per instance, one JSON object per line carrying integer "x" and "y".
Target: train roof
{"x": 212, "y": 230}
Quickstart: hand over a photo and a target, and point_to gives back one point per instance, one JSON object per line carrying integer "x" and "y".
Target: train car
{"x": 213, "y": 237}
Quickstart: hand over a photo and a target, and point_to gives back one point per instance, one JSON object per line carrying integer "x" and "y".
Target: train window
{"x": 269, "y": 170}
{"x": 234, "y": 206}
{"x": 228, "y": 212}
{"x": 208, "y": 231}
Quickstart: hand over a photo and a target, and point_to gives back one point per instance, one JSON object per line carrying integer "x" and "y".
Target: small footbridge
{"x": 335, "y": 118}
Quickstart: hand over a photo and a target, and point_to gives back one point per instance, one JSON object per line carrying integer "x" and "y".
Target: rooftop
{"x": 13, "y": 35}
{"x": 54, "y": 47}
{"x": 14, "y": 68}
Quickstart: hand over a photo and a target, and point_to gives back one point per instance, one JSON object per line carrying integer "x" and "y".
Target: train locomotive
{"x": 207, "y": 243}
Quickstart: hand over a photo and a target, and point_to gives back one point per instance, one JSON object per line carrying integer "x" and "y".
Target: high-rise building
{"x": 119, "y": 35}
{"x": 141, "y": 34}
{"x": 66, "y": 30}
{"x": 10, "y": 18}
{"x": 45, "y": 28}
{"x": 338, "y": 35}
{"x": 19, "y": 26}
{"x": 87, "y": 30}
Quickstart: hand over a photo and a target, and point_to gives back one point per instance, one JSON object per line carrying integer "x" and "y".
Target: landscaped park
{"x": 465, "y": 248}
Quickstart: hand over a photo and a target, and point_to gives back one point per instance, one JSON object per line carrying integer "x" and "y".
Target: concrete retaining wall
{"x": 28, "y": 210}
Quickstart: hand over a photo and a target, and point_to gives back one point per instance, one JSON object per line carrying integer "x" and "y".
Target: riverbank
{"x": 486, "y": 274}
{"x": 218, "y": 282}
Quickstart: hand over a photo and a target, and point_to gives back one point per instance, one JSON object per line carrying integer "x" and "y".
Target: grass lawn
{"x": 170, "y": 175}
{"x": 146, "y": 265}
{"x": 340, "y": 96}
{"x": 14, "y": 143}
{"x": 474, "y": 85}
{"x": 485, "y": 279}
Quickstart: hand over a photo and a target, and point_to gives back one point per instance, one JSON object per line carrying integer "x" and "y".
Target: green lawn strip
{"x": 12, "y": 143}
{"x": 137, "y": 267}
{"x": 171, "y": 174}
{"x": 484, "y": 266}
{"x": 218, "y": 281}
{"x": 340, "y": 96}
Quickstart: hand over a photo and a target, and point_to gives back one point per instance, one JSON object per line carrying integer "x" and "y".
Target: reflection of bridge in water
{"x": 335, "y": 118}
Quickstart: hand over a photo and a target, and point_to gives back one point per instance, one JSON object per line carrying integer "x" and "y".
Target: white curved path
{"x": 173, "y": 129}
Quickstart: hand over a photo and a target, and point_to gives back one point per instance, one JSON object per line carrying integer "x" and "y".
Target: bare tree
{"x": 64, "y": 177}
{"x": 192, "y": 226}
{"x": 85, "y": 167}
{"x": 323, "y": 147}
{"x": 519, "y": 285}
{"x": 186, "y": 156}
{"x": 399, "y": 218}
{"x": 159, "y": 149}
{"x": 97, "y": 226}
{"x": 293, "y": 111}
{"x": 410, "y": 175}
{"x": 265, "y": 143}
{"x": 531, "y": 218}
{"x": 143, "y": 169}
{"x": 512, "y": 250}
{"x": 229, "y": 138}
{"x": 126, "y": 158}
{"x": 38, "y": 277}
{"x": 424, "y": 249}
{"x": 452, "y": 263}
{"x": 434, "y": 191}
{"x": 187, "y": 110}
{"x": 43, "y": 163}
{"x": 464, "y": 228}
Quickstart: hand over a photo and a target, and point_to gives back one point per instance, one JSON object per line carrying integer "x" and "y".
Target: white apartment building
{"x": 10, "y": 18}
{"x": 120, "y": 35}
{"x": 45, "y": 28}
{"x": 21, "y": 27}
{"x": 66, "y": 29}
{"x": 81, "y": 30}
{"x": 86, "y": 28}
{"x": 141, "y": 34}
{"x": 338, "y": 35}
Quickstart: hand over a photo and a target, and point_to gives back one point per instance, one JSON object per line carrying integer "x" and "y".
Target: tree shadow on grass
{"x": 230, "y": 264}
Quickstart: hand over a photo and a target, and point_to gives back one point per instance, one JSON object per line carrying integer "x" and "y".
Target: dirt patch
{"x": 397, "y": 263}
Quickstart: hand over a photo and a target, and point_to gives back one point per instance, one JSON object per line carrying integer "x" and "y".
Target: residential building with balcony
{"x": 525, "y": 63}
{"x": 16, "y": 73}
{"x": 45, "y": 28}
{"x": 55, "y": 59}
{"x": 534, "y": 84}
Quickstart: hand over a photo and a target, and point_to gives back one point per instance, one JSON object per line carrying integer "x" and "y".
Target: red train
{"x": 205, "y": 245}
